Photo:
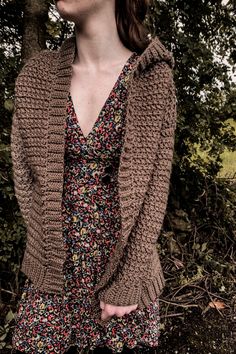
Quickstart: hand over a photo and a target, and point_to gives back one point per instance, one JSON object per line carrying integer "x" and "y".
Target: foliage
{"x": 201, "y": 210}
{"x": 5, "y": 330}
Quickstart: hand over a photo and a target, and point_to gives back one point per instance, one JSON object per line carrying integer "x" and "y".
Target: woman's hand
{"x": 110, "y": 310}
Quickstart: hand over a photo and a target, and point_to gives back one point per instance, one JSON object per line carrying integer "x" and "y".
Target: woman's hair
{"x": 130, "y": 15}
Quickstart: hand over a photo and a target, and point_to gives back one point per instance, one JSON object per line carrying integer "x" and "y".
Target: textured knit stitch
{"x": 134, "y": 274}
{"x": 50, "y": 323}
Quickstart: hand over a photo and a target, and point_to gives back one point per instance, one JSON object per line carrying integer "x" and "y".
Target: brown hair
{"x": 130, "y": 16}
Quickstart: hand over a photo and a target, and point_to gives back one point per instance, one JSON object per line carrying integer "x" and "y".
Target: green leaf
{"x": 10, "y": 316}
{"x": 204, "y": 246}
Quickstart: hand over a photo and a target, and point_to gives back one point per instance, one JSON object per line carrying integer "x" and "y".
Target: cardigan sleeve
{"x": 22, "y": 176}
{"x": 22, "y": 173}
{"x": 126, "y": 288}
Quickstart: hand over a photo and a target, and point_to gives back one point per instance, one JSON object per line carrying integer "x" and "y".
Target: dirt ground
{"x": 197, "y": 334}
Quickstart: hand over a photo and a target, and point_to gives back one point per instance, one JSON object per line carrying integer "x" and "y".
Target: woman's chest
{"x": 91, "y": 92}
{"x": 105, "y": 138}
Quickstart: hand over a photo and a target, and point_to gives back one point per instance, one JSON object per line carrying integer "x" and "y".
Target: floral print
{"x": 51, "y": 323}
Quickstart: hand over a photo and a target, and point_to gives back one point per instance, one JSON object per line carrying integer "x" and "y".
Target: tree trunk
{"x": 34, "y": 31}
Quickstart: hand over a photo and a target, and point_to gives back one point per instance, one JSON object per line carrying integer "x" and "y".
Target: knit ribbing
{"x": 55, "y": 168}
{"x": 133, "y": 274}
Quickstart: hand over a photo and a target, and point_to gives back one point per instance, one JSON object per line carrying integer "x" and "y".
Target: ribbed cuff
{"x": 117, "y": 297}
{"x": 142, "y": 295}
{"x": 152, "y": 290}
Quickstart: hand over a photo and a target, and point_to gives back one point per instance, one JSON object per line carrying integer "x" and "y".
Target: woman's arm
{"x": 126, "y": 288}
{"x": 22, "y": 175}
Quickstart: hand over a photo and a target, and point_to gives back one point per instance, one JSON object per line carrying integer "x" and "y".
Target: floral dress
{"x": 51, "y": 323}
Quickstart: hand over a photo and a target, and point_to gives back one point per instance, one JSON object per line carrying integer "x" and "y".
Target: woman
{"x": 92, "y": 145}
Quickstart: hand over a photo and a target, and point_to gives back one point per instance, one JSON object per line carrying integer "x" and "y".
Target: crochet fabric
{"x": 134, "y": 274}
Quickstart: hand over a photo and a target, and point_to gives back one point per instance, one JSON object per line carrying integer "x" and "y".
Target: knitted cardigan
{"x": 133, "y": 274}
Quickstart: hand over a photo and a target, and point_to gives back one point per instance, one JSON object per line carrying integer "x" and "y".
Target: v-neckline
{"x": 85, "y": 138}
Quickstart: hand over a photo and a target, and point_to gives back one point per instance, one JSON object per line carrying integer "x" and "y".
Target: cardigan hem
{"x": 48, "y": 281}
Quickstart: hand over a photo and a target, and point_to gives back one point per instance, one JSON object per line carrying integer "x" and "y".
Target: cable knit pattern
{"x": 134, "y": 273}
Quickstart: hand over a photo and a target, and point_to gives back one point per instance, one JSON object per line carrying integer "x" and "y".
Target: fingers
{"x": 105, "y": 316}
{"x": 107, "y": 312}
{"x": 133, "y": 307}
{"x": 110, "y": 310}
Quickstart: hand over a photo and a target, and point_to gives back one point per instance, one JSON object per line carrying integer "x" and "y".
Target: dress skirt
{"x": 51, "y": 323}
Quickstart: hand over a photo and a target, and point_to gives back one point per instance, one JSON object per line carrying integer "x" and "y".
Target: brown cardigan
{"x": 134, "y": 273}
